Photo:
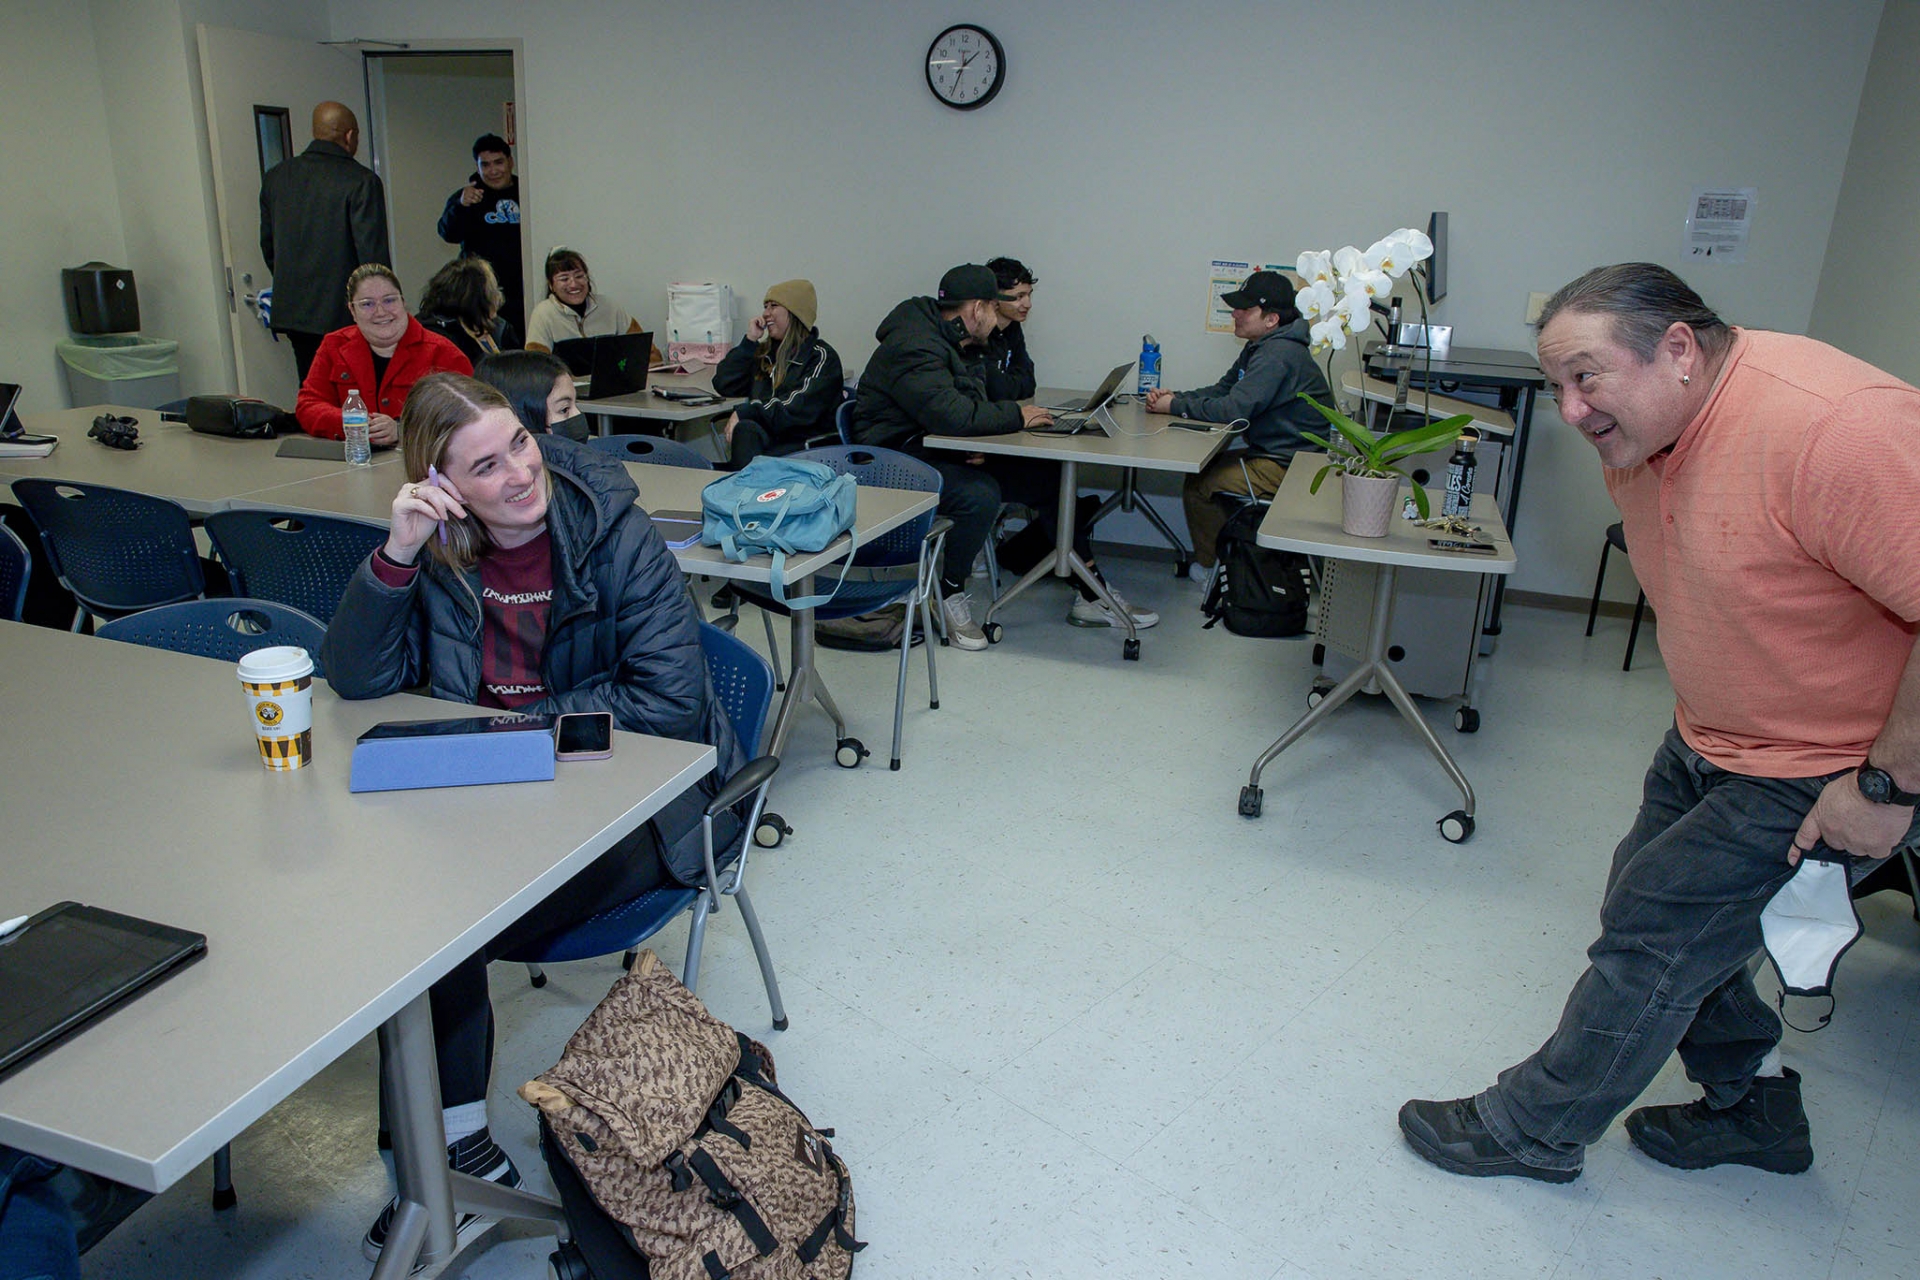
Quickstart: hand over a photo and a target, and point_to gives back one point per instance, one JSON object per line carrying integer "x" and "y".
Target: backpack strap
{"x": 834, "y": 1224}
{"x": 716, "y": 1270}
{"x": 723, "y": 1195}
{"x": 717, "y": 1115}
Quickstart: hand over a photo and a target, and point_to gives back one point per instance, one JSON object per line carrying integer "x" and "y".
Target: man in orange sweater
{"x": 1766, "y": 483}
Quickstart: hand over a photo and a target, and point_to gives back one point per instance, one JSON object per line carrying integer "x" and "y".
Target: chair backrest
{"x": 228, "y": 629}
{"x": 662, "y": 453}
{"x": 880, "y": 468}
{"x": 15, "y": 566}
{"x": 114, "y": 549}
{"x": 742, "y": 680}
{"x": 843, "y": 420}
{"x": 292, "y": 558}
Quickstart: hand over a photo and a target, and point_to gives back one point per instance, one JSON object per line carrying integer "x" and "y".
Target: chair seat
{"x": 620, "y": 929}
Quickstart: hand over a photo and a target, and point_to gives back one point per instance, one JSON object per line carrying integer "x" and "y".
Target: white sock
{"x": 1770, "y": 1065}
{"x": 464, "y": 1120}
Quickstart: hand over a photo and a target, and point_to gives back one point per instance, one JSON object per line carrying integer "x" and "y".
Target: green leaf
{"x": 1404, "y": 444}
{"x": 1319, "y": 476}
{"x": 1420, "y": 500}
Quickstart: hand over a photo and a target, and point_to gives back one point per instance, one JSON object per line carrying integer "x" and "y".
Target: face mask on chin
{"x": 1809, "y": 924}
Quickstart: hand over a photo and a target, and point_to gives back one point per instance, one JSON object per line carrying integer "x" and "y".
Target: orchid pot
{"x": 1367, "y": 503}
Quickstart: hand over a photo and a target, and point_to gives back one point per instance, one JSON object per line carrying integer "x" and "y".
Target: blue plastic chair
{"x": 292, "y": 558}
{"x": 744, "y": 684}
{"x": 654, "y": 449}
{"x": 843, "y": 420}
{"x": 117, "y": 551}
{"x": 16, "y": 566}
{"x": 227, "y": 629}
{"x": 898, "y": 566}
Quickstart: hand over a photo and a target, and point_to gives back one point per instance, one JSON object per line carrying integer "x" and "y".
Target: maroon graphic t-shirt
{"x": 516, "y": 597}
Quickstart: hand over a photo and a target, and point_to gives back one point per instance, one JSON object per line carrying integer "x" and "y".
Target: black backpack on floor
{"x": 1255, "y": 591}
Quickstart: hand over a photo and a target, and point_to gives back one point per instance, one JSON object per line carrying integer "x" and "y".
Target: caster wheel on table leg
{"x": 771, "y": 831}
{"x": 1315, "y": 696}
{"x": 1466, "y": 720}
{"x": 1250, "y": 802}
{"x": 993, "y": 631}
{"x": 1456, "y": 827}
{"x": 849, "y": 752}
{"x": 1130, "y": 650}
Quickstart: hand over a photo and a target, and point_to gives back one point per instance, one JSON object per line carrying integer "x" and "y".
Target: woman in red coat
{"x": 380, "y": 355}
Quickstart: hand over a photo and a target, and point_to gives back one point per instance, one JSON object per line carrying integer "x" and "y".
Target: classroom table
{"x": 368, "y": 495}
{"x": 200, "y": 472}
{"x": 649, "y": 407}
{"x": 130, "y": 781}
{"x": 1309, "y": 523}
{"x": 1145, "y": 442}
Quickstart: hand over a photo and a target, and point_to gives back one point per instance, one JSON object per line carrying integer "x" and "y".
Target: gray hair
{"x": 1643, "y": 300}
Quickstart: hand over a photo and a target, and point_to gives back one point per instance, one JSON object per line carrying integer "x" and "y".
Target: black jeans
{"x": 971, "y": 495}
{"x": 462, "y": 1009}
{"x": 1679, "y": 923}
{"x": 751, "y": 439}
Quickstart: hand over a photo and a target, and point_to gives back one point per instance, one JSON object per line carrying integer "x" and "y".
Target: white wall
{"x": 1873, "y": 259}
{"x": 61, "y": 208}
{"x": 434, "y": 109}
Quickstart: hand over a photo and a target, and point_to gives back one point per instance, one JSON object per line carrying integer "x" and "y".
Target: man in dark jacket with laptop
{"x": 321, "y": 215}
{"x": 1262, "y": 389}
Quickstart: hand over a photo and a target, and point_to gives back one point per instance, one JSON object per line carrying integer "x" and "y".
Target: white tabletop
{"x": 368, "y": 495}
{"x": 645, "y": 404}
{"x": 1146, "y": 442}
{"x": 1486, "y": 421}
{"x": 200, "y": 472}
{"x": 1310, "y": 523}
{"x": 129, "y": 780}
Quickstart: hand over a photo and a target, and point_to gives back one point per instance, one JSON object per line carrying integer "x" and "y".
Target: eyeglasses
{"x": 568, "y": 279}
{"x": 367, "y": 306}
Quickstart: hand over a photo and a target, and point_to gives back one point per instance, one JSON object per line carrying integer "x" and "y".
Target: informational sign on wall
{"x": 1718, "y": 223}
{"x": 1224, "y": 276}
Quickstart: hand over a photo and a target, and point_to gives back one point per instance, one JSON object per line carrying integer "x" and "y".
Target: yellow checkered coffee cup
{"x": 278, "y": 682}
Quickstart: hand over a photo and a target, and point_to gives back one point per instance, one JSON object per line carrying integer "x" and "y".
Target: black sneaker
{"x": 476, "y": 1154}
{"x": 1451, "y": 1135}
{"x": 1766, "y": 1129}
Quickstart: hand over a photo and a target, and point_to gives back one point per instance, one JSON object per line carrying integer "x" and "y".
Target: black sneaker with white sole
{"x": 478, "y": 1155}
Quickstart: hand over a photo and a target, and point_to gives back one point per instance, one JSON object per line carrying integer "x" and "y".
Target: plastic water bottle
{"x": 1149, "y": 365}
{"x": 1459, "y": 500}
{"x": 355, "y": 426}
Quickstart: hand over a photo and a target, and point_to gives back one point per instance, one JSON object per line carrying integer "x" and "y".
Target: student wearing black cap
{"x": 1262, "y": 389}
{"x": 925, "y": 379}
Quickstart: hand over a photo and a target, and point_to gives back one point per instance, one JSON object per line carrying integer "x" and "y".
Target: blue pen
{"x": 433, "y": 478}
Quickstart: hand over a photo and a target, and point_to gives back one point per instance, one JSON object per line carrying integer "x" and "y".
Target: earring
{"x": 1686, "y": 380}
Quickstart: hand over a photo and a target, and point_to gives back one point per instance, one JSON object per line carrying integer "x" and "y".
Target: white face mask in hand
{"x": 1810, "y": 923}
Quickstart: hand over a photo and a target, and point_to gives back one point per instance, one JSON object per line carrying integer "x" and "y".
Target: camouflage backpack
{"x": 673, "y": 1123}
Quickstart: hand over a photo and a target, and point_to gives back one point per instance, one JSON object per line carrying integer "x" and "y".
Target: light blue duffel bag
{"x": 779, "y": 506}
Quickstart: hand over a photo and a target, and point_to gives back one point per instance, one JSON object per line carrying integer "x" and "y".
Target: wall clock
{"x": 966, "y": 66}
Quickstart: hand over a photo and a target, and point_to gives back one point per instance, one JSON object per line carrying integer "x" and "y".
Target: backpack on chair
{"x": 676, "y": 1156}
{"x": 1256, "y": 591}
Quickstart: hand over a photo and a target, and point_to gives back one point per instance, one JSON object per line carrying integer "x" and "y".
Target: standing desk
{"x": 368, "y": 495}
{"x": 200, "y": 472}
{"x": 129, "y": 780}
{"x": 1309, "y": 523}
{"x": 1146, "y": 443}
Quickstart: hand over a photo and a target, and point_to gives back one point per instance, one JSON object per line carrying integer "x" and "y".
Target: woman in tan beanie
{"x": 790, "y": 377}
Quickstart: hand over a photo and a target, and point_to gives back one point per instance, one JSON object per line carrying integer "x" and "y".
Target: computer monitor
{"x": 1437, "y": 264}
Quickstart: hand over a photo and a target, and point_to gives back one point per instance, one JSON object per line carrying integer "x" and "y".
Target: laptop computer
{"x": 576, "y": 354}
{"x": 1074, "y": 418}
{"x": 1108, "y": 387}
{"x": 620, "y": 363}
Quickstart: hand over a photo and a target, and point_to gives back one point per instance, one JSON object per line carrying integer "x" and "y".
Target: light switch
{"x": 1536, "y": 302}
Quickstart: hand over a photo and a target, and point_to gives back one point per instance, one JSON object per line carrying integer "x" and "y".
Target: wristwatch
{"x": 1878, "y": 786}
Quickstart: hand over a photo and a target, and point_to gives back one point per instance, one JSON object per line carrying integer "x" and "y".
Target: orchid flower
{"x": 1346, "y": 261}
{"x": 1328, "y": 335}
{"x": 1315, "y": 267}
{"x": 1356, "y": 310}
{"x": 1317, "y": 300}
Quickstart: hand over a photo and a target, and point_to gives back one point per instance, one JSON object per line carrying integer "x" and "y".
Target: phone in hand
{"x": 583, "y": 735}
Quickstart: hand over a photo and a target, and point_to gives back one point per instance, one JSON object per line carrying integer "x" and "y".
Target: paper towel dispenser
{"x": 100, "y": 299}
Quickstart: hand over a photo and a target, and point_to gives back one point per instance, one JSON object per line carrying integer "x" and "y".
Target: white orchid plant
{"x": 1342, "y": 286}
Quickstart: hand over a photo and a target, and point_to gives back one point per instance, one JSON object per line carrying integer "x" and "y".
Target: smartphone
{"x": 1184, "y": 425}
{"x": 583, "y": 735}
{"x": 1454, "y": 544}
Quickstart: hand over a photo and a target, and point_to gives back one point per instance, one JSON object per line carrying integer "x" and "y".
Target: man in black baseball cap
{"x": 1262, "y": 389}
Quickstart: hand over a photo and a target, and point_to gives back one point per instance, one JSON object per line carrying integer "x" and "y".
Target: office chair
{"x": 290, "y": 558}
{"x": 744, "y": 684}
{"x": 1616, "y": 537}
{"x": 227, "y": 628}
{"x": 16, "y": 566}
{"x": 661, "y": 452}
{"x": 117, "y": 551}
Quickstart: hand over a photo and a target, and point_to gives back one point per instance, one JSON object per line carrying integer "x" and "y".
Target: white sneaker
{"x": 962, "y": 631}
{"x": 1093, "y": 613}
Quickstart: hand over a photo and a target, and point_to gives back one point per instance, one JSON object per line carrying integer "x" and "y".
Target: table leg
{"x": 423, "y": 1229}
{"x": 800, "y": 679}
{"x": 1127, "y": 498}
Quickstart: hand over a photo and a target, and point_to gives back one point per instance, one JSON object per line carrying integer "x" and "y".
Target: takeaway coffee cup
{"x": 279, "y": 686}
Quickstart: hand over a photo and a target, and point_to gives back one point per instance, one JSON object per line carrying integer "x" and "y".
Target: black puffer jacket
{"x": 1007, "y": 369}
{"x": 804, "y": 403}
{"x": 920, "y": 383}
{"x": 622, "y": 636}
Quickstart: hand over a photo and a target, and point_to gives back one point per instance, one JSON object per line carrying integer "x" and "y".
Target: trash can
{"x": 123, "y": 369}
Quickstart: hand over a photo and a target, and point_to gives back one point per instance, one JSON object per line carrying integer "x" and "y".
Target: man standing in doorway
{"x": 483, "y": 218}
{"x": 1766, "y": 482}
{"x": 321, "y": 215}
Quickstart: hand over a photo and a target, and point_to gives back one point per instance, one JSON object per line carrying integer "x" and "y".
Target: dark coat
{"x": 1007, "y": 369}
{"x": 621, "y": 634}
{"x": 919, "y": 382}
{"x": 1264, "y": 386}
{"x": 322, "y": 214}
{"x": 804, "y": 403}
{"x": 490, "y": 229}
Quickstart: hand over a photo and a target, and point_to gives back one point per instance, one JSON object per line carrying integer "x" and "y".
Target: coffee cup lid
{"x": 276, "y": 663}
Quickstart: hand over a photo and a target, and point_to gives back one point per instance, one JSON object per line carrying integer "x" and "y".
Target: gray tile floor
{"x": 1072, "y": 1016}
